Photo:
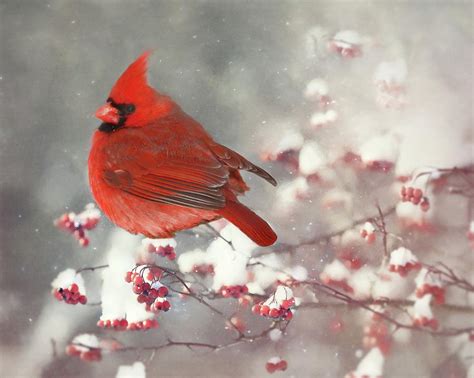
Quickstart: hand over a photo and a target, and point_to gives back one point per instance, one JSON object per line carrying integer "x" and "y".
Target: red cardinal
{"x": 154, "y": 170}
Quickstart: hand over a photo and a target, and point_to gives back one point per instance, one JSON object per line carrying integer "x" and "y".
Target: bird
{"x": 154, "y": 170}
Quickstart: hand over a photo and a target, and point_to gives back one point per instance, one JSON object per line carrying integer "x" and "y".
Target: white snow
{"x": 402, "y": 256}
{"x": 369, "y": 227}
{"x": 137, "y": 370}
{"x": 118, "y": 299}
{"x": 362, "y": 282}
{"x": 422, "y": 307}
{"x": 413, "y": 214}
{"x": 320, "y": 119}
{"x": 68, "y": 277}
{"x": 346, "y": 38}
{"x": 371, "y": 366}
{"x": 159, "y": 242}
{"x": 380, "y": 148}
{"x": 427, "y": 277}
{"x": 282, "y": 293}
{"x": 316, "y": 88}
{"x": 86, "y": 339}
{"x": 230, "y": 266}
{"x": 311, "y": 158}
{"x": 391, "y": 73}
{"x": 290, "y": 140}
{"x": 275, "y": 334}
{"x": 337, "y": 271}
{"x": 90, "y": 212}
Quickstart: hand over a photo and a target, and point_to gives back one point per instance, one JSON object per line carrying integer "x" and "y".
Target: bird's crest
{"x": 132, "y": 86}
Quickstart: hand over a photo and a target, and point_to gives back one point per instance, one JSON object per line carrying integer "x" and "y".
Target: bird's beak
{"x": 108, "y": 114}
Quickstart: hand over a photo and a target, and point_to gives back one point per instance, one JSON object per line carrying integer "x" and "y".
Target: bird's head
{"x": 132, "y": 102}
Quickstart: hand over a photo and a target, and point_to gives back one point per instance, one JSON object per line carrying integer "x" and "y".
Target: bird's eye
{"x": 129, "y": 108}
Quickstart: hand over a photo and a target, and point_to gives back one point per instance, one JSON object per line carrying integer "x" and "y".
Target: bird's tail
{"x": 249, "y": 223}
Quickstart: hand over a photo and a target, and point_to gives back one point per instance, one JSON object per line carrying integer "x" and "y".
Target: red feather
{"x": 157, "y": 171}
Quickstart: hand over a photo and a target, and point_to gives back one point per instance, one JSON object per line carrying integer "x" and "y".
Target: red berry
{"x": 265, "y": 310}
{"x": 83, "y": 242}
{"x": 163, "y": 291}
{"x": 417, "y": 193}
{"x": 71, "y": 350}
{"x": 138, "y": 280}
{"x": 274, "y": 313}
{"x": 270, "y": 367}
{"x": 256, "y": 309}
{"x": 123, "y": 323}
{"x": 282, "y": 365}
{"x": 287, "y": 303}
{"x": 128, "y": 277}
{"x": 424, "y": 204}
{"x": 83, "y": 299}
{"x": 415, "y": 200}
{"x": 166, "y": 305}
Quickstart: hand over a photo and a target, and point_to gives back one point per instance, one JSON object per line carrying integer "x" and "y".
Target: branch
{"x": 324, "y": 238}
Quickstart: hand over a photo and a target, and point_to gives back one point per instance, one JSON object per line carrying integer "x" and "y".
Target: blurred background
{"x": 241, "y": 69}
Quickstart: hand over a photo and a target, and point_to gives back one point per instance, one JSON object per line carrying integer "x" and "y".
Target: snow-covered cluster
{"x": 69, "y": 287}
{"x": 402, "y": 261}
{"x": 79, "y": 224}
{"x": 156, "y": 247}
{"x": 275, "y": 364}
{"x": 278, "y": 305}
{"x": 118, "y": 301}
{"x": 86, "y": 346}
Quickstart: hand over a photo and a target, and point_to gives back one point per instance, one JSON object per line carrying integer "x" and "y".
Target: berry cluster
{"x": 436, "y": 291}
{"x": 235, "y": 291}
{"x": 402, "y": 261}
{"x": 276, "y": 364}
{"x": 153, "y": 295}
{"x": 422, "y": 313}
{"x": 403, "y": 270}
{"x": 143, "y": 325}
{"x": 124, "y": 325}
{"x": 164, "y": 251}
{"x": 377, "y": 334}
{"x": 341, "y": 284}
{"x": 116, "y": 324}
{"x": 351, "y": 258}
{"x": 78, "y": 224}
{"x": 368, "y": 232}
{"x": 415, "y": 196}
{"x": 85, "y": 354}
{"x": 283, "y": 312}
{"x": 70, "y": 295}
{"x": 424, "y": 321}
{"x": 277, "y": 306}
{"x": 344, "y": 49}
{"x": 203, "y": 269}
{"x": 288, "y": 158}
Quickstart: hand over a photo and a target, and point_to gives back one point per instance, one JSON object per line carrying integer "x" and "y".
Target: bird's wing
{"x": 156, "y": 175}
{"x": 236, "y": 161}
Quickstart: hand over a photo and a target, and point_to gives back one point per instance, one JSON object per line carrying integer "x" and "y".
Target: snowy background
{"x": 241, "y": 69}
